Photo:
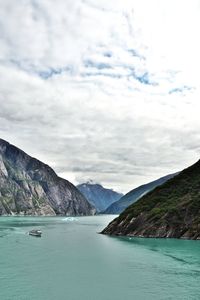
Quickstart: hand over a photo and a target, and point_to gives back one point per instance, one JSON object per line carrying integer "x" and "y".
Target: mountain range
{"x": 30, "y": 187}
{"x": 135, "y": 194}
{"x": 171, "y": 210}
{"x": 97, "y": 195}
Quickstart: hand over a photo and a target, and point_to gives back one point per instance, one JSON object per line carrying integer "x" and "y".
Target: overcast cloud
{"x": 102, "y": 90}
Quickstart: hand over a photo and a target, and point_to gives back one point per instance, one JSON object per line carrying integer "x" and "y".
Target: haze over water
{"x": 71, "y": 261}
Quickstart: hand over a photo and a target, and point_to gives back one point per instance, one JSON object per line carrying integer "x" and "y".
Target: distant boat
{"x": 35, "y": 232}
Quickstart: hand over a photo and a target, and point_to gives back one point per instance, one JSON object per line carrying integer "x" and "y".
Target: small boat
{"x": 35, "y": 232}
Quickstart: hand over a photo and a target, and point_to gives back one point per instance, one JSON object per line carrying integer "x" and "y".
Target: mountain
{"x": 30, "y": 187}
{"x": 132, "y": 196}
{"x": 98, "y": 196}
{"x": 170, "y": 210}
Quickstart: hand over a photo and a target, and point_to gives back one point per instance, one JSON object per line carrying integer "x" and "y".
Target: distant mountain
{"x": 171, "y": 210}
{"x": 98, "y": 196}
{"x": 132, "y": 196}
{"x": 30, "y": 187}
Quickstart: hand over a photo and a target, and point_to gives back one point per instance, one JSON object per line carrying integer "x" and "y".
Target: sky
{"x": 102, "y": 90}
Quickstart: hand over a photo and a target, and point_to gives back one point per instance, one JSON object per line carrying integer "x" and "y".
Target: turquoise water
{"x": 71, "y": 261}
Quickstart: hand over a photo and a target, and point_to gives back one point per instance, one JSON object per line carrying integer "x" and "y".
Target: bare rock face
{"x": 30, "y": 187}
{"x": 171, "y": 210}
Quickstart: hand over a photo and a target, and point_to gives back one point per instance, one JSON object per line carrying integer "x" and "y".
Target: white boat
{"x": 35, "y": 232}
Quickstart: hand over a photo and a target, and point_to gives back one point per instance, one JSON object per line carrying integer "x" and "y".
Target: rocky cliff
{"x": 135, "y": 194}
{"x": 171, "y": 210}
{"x": 98, "y": 196}
{"x": 30, "y": 187}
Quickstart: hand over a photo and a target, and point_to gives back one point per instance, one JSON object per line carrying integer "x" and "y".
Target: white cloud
{"x": 102, "y": 90}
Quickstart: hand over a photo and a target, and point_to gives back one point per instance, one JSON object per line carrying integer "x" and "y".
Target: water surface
{"x": 71, "y": 261}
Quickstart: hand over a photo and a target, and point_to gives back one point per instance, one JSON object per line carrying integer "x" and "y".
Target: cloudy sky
{"x": 102, "y": 90}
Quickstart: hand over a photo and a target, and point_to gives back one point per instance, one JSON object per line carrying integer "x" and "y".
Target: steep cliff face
{"x": 135, "y": 194}
{"x": 98, "y": 196}
{"x": 28, "y": 186}
{"x": 171, "y": 210}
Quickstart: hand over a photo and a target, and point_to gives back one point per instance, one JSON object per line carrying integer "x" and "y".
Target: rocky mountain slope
{"x": 98, "y": 196}
{"x": 132, "y": 196}
{"x": 30, "y": 187}
{"x": 171, "y": 210}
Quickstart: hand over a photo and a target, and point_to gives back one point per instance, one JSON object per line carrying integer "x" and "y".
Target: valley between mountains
{"x": 167, "y": 207}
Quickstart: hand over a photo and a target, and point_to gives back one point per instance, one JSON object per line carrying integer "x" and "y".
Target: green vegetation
{"x": 173, "y": 207}
{"x": 168, "y": 197}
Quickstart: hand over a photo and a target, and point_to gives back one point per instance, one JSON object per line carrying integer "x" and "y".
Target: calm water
{"x": 71, "y": 261}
